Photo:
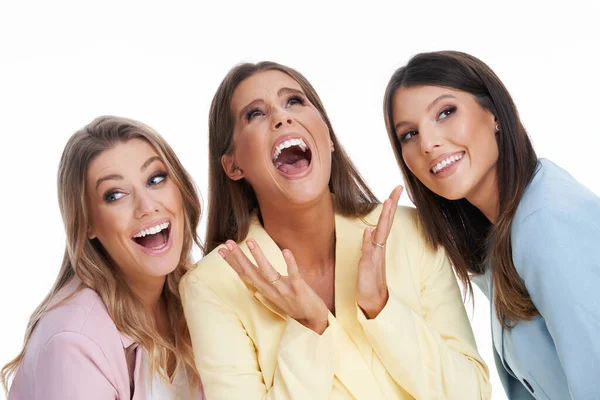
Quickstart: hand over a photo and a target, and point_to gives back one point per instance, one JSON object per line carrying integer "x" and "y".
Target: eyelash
{"x": 449, "y": 110}
{"x": 109, "y": 196}
{"x": 251, "y": 114}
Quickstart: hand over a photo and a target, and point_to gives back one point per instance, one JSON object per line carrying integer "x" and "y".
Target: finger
{"x": 249, "y": 272}
{"x": 226, "y": 255}
{"x": 292, "y": 266}
{"x": 395, "y": 198}
{"x": 381, "y": 232}
{"x": 264, "y": 266}
{"x": 384, "y": 224}
{"x": 367, "y": 244}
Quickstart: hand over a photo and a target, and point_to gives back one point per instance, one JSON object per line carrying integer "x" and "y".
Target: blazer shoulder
{"x": 81, "y": 312}
{"x": 211, "y": 270}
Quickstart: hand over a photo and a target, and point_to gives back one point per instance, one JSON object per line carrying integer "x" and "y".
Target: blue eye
{"x": 113, "y": 196}
{"x": 157, "y": 178}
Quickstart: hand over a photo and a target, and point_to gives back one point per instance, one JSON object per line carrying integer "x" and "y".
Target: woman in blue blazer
{"x": 521, "y": 228}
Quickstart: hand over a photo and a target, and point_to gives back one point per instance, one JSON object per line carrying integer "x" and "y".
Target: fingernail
{"x": 222, "y": 253}
{"x": 250, "y": 244}
{"x": 286, "y": 253}
{"x": 229, "y": 246}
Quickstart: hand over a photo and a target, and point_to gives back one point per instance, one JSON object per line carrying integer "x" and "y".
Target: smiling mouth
{"x": 292, "y": 156}
{"x": 446, "y": 163}
{"x": 153, "y": 238}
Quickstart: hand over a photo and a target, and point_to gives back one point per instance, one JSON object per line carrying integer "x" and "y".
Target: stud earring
{"x": 497, "y": 127}
{"x": 239, "y": 171}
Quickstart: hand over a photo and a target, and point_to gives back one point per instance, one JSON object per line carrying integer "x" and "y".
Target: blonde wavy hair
{"x": 86, "y": 259}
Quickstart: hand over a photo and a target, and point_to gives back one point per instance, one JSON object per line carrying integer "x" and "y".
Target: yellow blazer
{"x": 420, "y": 345}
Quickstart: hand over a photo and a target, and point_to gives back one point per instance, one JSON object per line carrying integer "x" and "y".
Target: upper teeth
{"x": 152, "y": 230}
{"x": 288, "y": 143}
{"x": 446, "y": 162}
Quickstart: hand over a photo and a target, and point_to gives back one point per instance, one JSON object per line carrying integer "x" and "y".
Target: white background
{"x": 62, "y": 64}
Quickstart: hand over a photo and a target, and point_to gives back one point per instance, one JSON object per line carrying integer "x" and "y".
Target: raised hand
{"x": 371, "y": 287}
{"x": 290, "y": 293}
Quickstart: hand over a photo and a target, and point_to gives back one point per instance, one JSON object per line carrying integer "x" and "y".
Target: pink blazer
{"x": 76, "y": 352}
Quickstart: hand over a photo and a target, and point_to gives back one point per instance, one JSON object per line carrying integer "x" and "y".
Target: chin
{"x": 161, "y": 267}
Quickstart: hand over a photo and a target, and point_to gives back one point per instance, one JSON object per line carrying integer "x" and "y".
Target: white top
{"x": 158, "y": 389}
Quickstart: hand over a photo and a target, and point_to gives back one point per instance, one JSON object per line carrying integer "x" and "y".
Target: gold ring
{"x": 276, "y": 280}
{"x": 377, "y": 244}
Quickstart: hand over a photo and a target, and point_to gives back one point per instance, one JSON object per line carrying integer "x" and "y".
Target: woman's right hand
{"x": 290, "y": 293}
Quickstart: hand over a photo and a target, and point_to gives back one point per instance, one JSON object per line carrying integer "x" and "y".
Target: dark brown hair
{"x": 469, "y": 239}
{"x": 87, "y": 261}
{"x": 230, "y": 203}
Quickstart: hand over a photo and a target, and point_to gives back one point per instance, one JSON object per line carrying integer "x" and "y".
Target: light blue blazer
{"x": 556, "y": 251}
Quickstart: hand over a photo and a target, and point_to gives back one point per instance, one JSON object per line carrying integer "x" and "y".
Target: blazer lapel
{"x": 347, "y": 253}
{"x": 139, "y": 380}
{"x": 353, "y": 353}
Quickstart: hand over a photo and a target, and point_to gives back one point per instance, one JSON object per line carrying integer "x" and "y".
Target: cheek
{"x": 172, "y": 199}
{"x": 412, "y": 160}
{"x": 248, "y": 148}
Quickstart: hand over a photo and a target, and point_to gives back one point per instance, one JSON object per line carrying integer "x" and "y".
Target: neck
{"x": 485, "y": 196}
{"x": 308, "y": 231}
{"x": 149, "y": 290}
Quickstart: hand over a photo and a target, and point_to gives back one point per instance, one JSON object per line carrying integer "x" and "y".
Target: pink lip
{"x": 283, "y": 138}
{"x": 442, "y": 157}
{"x": 161, "y": 251}
{"x": 448, "y": 170}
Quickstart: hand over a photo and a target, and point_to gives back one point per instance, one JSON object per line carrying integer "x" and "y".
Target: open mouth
{"x": 447, "y": 163}
{"x": 154, "y": 238}
{"x": 292, "y": 156}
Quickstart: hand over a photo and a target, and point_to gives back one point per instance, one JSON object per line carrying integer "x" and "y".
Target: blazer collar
{"x": 353, "y": 354}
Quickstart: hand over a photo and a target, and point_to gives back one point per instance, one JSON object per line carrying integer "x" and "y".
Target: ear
{"x": 230, "y": 167}
{"x": 331, "y": 146}
{"x": 91, "y": 233}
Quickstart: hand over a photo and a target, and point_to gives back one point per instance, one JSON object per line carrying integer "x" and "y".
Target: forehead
{"x": 261, "y": 85}
{"x": 121, "y": 158}
{"x": 416, "y": 99}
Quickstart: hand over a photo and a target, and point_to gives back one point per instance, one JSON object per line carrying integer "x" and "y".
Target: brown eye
{"x": 295, "y": 100}
{"x": 447, "y": 112}
{"x": 253, "y": 113}
{"x": 408, "y": 135}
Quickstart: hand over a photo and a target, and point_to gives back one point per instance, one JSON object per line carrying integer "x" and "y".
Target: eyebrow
{"x": 429, "y": 107}
{"x": 280, "y": 92}
{"x": 118, "y": 177}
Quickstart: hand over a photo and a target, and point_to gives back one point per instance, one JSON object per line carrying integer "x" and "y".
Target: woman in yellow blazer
{"x": 344, "y": 311}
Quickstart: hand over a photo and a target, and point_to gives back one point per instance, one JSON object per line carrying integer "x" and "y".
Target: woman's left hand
{"x": 371, "y": 288}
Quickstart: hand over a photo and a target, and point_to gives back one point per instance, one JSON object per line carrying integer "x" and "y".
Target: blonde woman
{"x": 112, "y": 326}
{"x": 305, "y": 299}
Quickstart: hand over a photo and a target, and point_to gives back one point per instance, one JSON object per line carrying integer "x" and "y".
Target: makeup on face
{"x": 281, "y": 141}
{"x": 136, "y": 209}
{"x": 447, "y": 139}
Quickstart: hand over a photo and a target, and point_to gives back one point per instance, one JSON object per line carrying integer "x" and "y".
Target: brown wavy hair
{"x": 86, "y": 260}
{"x": 230, "y": 203}
{"x": 469, "y": 239}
